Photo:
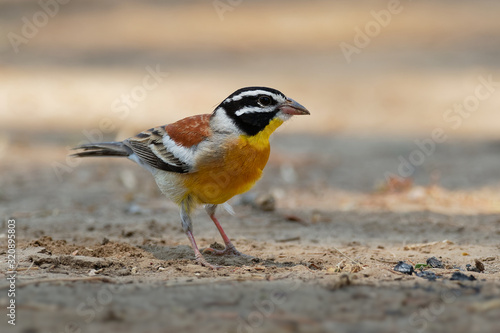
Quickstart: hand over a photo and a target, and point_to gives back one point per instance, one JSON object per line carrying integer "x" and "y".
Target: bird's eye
{"x": 265, "y": 100}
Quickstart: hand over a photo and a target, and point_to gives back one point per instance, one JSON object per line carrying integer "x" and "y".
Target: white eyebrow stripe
{"x": 253, "y": 109}
{"x": 253, "y": 93}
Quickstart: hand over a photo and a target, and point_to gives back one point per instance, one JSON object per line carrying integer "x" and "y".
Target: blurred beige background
{"x": 76, "y": 61}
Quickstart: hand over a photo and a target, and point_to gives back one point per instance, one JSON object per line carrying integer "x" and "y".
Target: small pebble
{"x": 435, "y": 262}
{"x": 94, "y": 272}
{"x": 404, "y": 268}
{"x": 427, "y": 275}
{"x": 479, "y": 265}
{"x": 134, "y": 209}
{"x": 265, "y": 202}
{"x": 469, "y": 268}
{"x": 459, "y": 276}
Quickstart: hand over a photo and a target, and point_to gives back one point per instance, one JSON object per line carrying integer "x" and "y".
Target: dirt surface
{"x": 98, "y": 254}
{"x": 337, "y": 219}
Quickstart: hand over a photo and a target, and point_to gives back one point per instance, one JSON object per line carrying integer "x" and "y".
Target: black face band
{"x": 252, "y": 108}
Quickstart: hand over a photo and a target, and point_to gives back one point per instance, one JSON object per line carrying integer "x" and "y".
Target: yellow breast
{"x": 241, "y": 166}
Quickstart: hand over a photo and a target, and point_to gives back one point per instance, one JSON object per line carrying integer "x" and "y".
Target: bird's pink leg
{"x": 230, "y": 248}
{"x": 188, "y": 229}
{"x": 199, "y": 257}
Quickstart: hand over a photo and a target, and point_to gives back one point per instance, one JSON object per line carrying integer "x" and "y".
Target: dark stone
{"x": 459, "y": 276}
{"x": 435, "y": 262}
{"x": 404, "y": 268}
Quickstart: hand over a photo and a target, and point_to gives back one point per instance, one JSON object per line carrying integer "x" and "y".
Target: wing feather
{"x": 166, "y": 162}
{"x": 171, "y": 147}
{"x": 149, "y": 148}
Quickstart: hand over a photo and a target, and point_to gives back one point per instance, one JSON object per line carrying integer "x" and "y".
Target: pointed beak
{"x": 293, "y": 108}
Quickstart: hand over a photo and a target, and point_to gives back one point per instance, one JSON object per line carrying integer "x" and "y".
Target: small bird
{"x": 209, "y": 158}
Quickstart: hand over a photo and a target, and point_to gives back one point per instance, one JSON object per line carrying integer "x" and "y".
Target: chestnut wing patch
{"x": 189, "y": 131}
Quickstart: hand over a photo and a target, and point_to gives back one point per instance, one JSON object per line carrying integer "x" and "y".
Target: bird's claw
{"x": 203, "y": 262}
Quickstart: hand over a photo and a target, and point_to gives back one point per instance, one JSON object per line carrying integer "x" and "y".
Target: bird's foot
{"x": 203, "y": 262}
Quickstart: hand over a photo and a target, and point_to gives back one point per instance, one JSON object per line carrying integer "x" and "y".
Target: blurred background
{"x": 79, "y": 70}
{"x": 67, "y": 65}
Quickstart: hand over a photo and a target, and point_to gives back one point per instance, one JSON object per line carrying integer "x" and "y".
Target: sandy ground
{"x": 100, "y": 250}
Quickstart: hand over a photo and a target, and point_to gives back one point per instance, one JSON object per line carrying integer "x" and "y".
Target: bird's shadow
{"x": 184, "y": 252}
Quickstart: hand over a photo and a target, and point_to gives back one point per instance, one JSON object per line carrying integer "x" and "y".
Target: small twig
{"x": 345, "y": 255}
{"x": 291, "y": 239}
{"x": 297, "y": 219}
{"x": 385, "y": 261}
{"x": 32, "y": 263}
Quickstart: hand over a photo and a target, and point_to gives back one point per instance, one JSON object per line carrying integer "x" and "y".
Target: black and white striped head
{"x": 251, "y": 109}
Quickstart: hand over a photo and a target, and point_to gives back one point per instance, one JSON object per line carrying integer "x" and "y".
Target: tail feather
{"x": 102, "y": 149}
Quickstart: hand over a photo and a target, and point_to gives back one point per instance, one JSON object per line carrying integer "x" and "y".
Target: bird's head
{"x": 251, "y": 110}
